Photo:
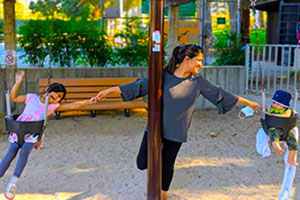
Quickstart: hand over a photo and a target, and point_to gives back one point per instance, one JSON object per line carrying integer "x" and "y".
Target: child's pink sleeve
{"x": 52, "y": 107}
{"x": 29, "y": 97}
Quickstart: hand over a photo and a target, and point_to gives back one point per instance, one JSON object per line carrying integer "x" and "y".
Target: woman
{"x": 181, "y": 89}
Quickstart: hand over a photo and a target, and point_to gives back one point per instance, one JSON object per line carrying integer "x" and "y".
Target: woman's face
{"x": 195, "y": 63}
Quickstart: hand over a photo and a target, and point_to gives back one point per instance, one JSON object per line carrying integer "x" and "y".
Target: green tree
{"x": 35, "y": 41}
{"x": 135, "y": 47}
{"x": 229, "y": 49}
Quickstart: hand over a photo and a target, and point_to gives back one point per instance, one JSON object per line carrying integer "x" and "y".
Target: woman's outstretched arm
{"x": 251, "y": 104}
{"x": 130, "y": 91}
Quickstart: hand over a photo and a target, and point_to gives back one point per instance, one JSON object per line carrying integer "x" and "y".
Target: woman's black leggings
{"x": 170, "y": 150}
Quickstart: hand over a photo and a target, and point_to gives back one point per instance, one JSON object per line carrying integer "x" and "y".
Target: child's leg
{"x": 23, "y": 157}
{"x": 10, "y": 155}
{"x": 274, "y": 135}
{"x": 291, "y": 157}
{"x": 141, "y": 160}
{"x": 169, "y": 153}
{"x": 21, "y": 163}
{"x": 293, "y": 147}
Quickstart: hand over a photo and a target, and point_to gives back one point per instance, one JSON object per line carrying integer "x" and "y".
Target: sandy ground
{"x": 94, "y": 158}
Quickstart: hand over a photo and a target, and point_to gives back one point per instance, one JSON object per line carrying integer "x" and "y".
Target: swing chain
{"x": 50, "y": 75}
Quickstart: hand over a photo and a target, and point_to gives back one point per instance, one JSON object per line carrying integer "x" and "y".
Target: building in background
{"x": 283, "y": 17}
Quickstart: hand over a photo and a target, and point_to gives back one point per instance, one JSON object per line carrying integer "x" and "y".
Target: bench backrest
{"x": 85, "y": 88}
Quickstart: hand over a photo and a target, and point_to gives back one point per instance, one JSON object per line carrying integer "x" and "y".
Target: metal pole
{"x": 155, "y": 95}
{"x": 8, "y": 110}
{"x": 238, "y": 18}
{"x": 295, "y": 100}
{"x": 46, "y": 108}
{"x": 263, "y": 100}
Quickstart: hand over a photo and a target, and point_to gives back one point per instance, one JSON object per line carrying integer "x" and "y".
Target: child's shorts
{"x": 274, "y": 134}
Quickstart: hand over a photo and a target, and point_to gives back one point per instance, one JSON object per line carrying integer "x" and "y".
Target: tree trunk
{"x": 10, "y": 42}
{"x": 245, "y": 24}
{"x": 233, "y": 18}
{"x": 173, "y": 29}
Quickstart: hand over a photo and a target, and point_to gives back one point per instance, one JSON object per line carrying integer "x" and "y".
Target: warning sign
{"x": 10, "y": 57}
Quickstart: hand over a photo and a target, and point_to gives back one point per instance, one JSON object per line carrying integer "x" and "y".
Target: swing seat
{"x": 284, "y": 123}
{"x": 23, "y": 128}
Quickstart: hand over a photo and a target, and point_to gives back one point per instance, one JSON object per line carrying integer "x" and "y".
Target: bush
{"x": 35, "y": 41}
{"x": 68, "y": 42}
{"x": 228, "y": 49}
{"x": 134, "y": 49}
{"x": 258, "y": 36}
{"x": 94, "y": 45}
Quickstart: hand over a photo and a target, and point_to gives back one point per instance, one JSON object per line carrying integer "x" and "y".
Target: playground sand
{"x": 94, "y": 158}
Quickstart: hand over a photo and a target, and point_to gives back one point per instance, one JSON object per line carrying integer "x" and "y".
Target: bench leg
{"x": 93, "y": 113}
{"x": 127, "y": 113}
{"x": 57, "y": 115}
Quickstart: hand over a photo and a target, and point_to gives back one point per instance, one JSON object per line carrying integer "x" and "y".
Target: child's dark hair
{"x": 57, "y": 87}
{"x": 179, "y": 53}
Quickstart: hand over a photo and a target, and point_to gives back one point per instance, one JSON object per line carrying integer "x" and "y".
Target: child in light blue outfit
{"x": 281, "y": 108}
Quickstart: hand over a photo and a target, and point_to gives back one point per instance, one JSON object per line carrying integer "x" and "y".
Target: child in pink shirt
{"x": 33, "y": 111}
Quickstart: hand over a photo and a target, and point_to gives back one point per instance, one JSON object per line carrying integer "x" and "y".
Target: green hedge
{"x": 72, "y": 43}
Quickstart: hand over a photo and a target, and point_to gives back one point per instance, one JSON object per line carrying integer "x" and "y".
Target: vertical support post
{"x": 155, "y": 96}
{"x": 10, "y": 43}
{"x": 295, "y": 100}
{"x": 200, "y": 16}
{"x": 8, "y": 110}
{"x": 173, "y": 29}
{"x": 246, "y": 84}
{"x": 238, "y": 18}
{"x": 263, "y": 100}
{"x": 46, "y": 109}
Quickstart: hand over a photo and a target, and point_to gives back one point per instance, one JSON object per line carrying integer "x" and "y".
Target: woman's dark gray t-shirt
{"x": 179, "y": 99}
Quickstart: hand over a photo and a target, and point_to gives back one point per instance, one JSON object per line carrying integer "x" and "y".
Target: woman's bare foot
{"x": 277, "y": 147}
{"x": 164, "y": 195}
{"x": 291, "y": 158}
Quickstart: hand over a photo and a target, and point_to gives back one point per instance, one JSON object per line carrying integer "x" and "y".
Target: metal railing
{"x": 272, "y": 67}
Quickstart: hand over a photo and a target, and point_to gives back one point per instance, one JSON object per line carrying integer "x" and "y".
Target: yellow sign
{"x": 188, "y": 31}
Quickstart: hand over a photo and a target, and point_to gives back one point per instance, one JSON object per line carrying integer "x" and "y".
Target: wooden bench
{"x": 85, "y": 88}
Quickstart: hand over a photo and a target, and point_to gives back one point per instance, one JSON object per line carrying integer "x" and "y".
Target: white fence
{"x": 272, "y": 67}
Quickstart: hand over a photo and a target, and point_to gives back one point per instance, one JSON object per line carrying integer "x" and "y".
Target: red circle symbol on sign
{"x": 9, "y": 59}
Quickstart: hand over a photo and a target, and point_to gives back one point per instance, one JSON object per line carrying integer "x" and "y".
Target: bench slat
{"x": 87, "y": 81}
{"x": 79, "y": 89}
{"x": 87, "y": 95}
{"x": 107, "y": 99}
{"x": 113, "y": 105}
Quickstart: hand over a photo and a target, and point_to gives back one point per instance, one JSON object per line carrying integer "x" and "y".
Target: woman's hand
{"x": 20, "y": 76}
{"x": 104, "y": 93}
{"x": 254, "y": 105}
{"x": 100, "y": 96}
{"x": 251, "y": 104}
